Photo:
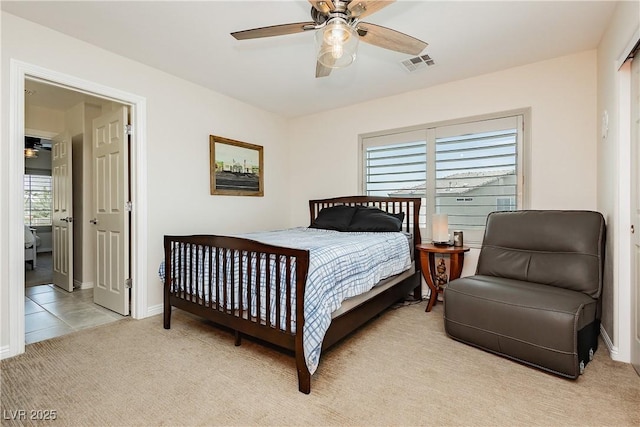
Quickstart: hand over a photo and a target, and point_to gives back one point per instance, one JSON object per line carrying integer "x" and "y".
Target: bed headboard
{"x": 409, "y": 205}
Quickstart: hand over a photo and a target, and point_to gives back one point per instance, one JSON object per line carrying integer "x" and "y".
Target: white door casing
{"x": 111, "y": 220}
{"x": 18, "y": 72}
{"x": 635, "y": 214}
{"x": 62, "y": 230}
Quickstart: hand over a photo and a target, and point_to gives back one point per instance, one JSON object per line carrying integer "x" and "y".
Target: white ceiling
{"x": 191, "y": 40}
{"x": 55, "y": 97}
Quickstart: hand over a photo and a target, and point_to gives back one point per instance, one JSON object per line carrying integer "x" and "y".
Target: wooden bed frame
{"x": 183, "y": 294}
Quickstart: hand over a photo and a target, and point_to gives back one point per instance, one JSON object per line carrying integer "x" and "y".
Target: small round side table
{"x": 428, "y": 253}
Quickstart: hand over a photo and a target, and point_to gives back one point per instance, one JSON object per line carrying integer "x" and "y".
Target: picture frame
{"x": 236, "y": 168}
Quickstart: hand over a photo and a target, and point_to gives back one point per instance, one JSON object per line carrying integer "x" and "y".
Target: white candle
{"x": 440, "y": 228}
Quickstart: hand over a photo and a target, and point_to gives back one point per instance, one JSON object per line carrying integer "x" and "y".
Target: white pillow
{"x": 29, "y": 240}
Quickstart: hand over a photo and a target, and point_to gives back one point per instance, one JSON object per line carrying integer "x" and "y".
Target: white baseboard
{"x": 82, "y": 285}
{"x": 155, "y": 310}
{"x": 612, "y": 349}
{"x": 5, "y": 352}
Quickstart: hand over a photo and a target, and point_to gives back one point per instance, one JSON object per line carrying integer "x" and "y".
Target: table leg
{"x": 427, "y": 264}
{"x": 457, "y": 262}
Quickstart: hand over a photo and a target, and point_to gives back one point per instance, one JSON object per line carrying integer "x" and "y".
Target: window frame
{"x": 472, "y": 237}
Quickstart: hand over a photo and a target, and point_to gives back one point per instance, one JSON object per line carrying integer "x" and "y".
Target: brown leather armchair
{"x": 535, "y": 297}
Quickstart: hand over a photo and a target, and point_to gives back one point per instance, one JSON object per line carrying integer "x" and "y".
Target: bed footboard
{"x": 258, "y": 289}
{"x": 250, "y": 287}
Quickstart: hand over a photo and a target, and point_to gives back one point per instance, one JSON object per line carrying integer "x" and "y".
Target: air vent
{"x": 418, "y": 63}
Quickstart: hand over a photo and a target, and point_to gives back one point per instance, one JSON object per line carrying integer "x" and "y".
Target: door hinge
{"x": 128, "y": 206}
{"x": 128, "y": 129}
{"x": 127, "y": 283}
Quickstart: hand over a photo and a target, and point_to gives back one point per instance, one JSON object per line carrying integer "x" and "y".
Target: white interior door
{"x": 111, "y": 220}
{"x": 635, "y": 144}
{"x": 62, "y": 212}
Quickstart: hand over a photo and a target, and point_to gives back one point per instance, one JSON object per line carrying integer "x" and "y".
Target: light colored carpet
{"x": 400, "y": 369}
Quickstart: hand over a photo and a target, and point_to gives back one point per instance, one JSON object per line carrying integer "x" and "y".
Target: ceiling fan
{"x": 338, "y": 29}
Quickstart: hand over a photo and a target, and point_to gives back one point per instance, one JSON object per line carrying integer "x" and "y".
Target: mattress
{"x": 29, "y": 238}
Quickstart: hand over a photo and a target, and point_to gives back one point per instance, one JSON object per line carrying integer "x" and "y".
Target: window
{"x": 466, "y": 169}
{"x": 37, "y": 200}
{"x": 506, "y": 204}
{"x": 395, "y": 168}
{"x": 395, "y": 165}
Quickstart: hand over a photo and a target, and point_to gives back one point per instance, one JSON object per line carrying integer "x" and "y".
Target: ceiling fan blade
{"x": 361, "y": 8}
{"x": 387, "y": 38}
{"x": 321, "y": 70}
{"x": 274, "y": 30}
{"x": 323, "y": 6}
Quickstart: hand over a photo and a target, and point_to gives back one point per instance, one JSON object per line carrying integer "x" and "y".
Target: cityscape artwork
{"x": 236, "y": 167}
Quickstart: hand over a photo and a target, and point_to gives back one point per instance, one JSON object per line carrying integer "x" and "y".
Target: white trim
{"x": 155, "y": 310}
{"x": 627, "y": 49}
{"x": 18, "y": 72}
{"x": 138, "y": 183}
{"x": 39, "y": 133}
{"x": 622, "y": 267}
{"x": 613, "y": 350}
{"x": 82, "y": 285}
{"x": 16, "y": 211}
{"x": 5, "y": 352}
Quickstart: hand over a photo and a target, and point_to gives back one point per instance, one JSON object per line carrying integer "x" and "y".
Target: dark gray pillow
{"x": 334, "y": 218}
{"x": 374, "y": 219}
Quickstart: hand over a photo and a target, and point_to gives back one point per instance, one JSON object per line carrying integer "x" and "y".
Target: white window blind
{"x": 37, "y": 200}
{"x": 476, "y": 171}
{"x": 395, "y": 166}
{"x": 466, "y": 170}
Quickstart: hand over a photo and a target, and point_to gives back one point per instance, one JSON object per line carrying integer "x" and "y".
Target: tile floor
{"x": 51, "y": 312}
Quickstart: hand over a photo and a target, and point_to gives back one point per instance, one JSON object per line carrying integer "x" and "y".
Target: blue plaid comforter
{"x": 341, "y": 265}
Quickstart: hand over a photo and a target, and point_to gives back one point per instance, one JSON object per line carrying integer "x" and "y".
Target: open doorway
{"x": 60, "y": 269}
{"x": 19, "y": 72}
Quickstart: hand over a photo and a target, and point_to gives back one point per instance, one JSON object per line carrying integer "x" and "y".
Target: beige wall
{"x": 44, "y": 119}
{"x": 560, "y": 92}
{"x": 180, "y": 118}
{"x": 614, "y": 177}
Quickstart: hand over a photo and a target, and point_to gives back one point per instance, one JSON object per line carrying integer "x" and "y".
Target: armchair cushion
{"x": 556, "y": 248}
{"x": 527, "y": 321}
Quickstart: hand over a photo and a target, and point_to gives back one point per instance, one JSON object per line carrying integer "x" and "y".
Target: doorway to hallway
{"x": 19, "y": 73}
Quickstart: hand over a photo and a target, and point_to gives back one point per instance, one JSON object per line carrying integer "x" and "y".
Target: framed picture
{"x": 236, "y": 167}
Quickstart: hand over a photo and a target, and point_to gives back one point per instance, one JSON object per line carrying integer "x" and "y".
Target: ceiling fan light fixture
{"x": 337, "y": 44}
{"x": 30, "y": 153}
{"x": 338, "y": 29}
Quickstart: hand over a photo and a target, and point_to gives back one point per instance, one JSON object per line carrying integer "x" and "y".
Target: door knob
{"x": 67, "y": 219}
{"x": 633, "y": 229}
{"x": 94, "y": 221}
